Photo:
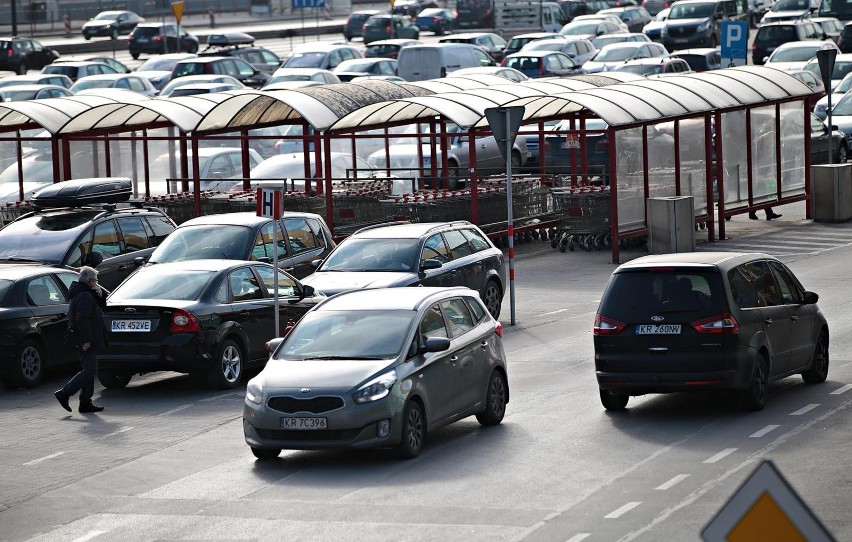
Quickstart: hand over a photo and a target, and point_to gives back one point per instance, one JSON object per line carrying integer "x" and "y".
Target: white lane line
{"x": 804, "y": 409}
{"x": 172, "y": 411}
{"x": 673, "y": 482}
{"x": 114, "y": 433}
{"x": 578, "y": 537}
{"x": 844, "y": 389}
{"x": 721, "y": 455}
{"x": 554, "y": 312}
{"x": 88, "y": 536}
{"x": 223, "y": 396}
{"x": 45, "y": 458}
{"x": 764, "y": 431}
{"x": 615, "y": 514}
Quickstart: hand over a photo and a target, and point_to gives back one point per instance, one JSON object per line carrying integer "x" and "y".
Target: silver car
{"x": 378, "y": 368}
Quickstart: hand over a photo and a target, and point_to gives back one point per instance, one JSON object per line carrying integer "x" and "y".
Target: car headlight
{"x": 375, "y": 389}
{"x": 704, "y": 26}
{"x": 254, "y": 392}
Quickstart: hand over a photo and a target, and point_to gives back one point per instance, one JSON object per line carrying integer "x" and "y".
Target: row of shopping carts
{"x": 584, "y": 217}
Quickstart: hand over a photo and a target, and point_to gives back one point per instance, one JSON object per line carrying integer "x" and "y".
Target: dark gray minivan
{"x": 698, "y": 23}
{"x": 706, "y": 320}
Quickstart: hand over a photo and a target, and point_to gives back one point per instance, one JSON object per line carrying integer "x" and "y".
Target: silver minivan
{"x": 422, "y": 62}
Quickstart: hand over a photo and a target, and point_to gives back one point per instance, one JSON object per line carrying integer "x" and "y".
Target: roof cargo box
{"x": 80, "y": 192}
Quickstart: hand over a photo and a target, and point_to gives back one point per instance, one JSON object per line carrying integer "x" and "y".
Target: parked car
{"x": 19, "y": 93}
{"x": 579, "y": 50}
{"x": 195, "y": 89}
{"x": 205, "y": 317}
{"x": 788, "y": 10}
{"x": 288, "y": 170}
{"x": 237, "y": 68}
{"x": 171, "y": 86}
{"x": 542, "y": 64}
{"x": 635, "y": 17}
{"x": 698, "y": 23}
{"x": 608, "y": 39}
{"x": 612, "y": 18}
{"x": 33, "y": 320}
{"x": 590, "y": 29}
{"x": 36, "y": 79}
{"x": 650, "y": 67}
{"x": 319, "y": 55}
{"x": 521, "y": 40}
{"x": 157, "y": 38}
{"x": 821, "y": 146}
{"x": 507, "y": 73}
{"x": 844, "y": 42}
{"x": 813, "y": 81}
{"x": 214, "y": 162}
{"x": 612, "y": 56}
{"x": 127, "y": 81}
{"x": 119, "y": 67}
{"x": 78, "y": 70}
{"x": 241, "y": 45}
{"x": 654, "y": 29}
{"x": 756, "y": 10}
{"x": 354, "y": 25}
{"x": 654, "y": 7}
{"x": 431, "y": 61}
{"x": 111, "y": 23}
{"x": 386, "y": 26}
{"x": 493, "y": 44}
{"x": 842, "y": 88}
{"x": 794, "y": 55}
{"x": 831, "y": 27}
{"x": 841, "y": 117}
{"x": 412, "y": 8}
{"x": 346, "y": 385}
{"x": 423, "y": 254}
{"x": 349, "y": 69}
{"x": 23, "y": 54}
{"x": 68, "y": 237}
{"x": 388, "y": 48}
{"x": 299, "y": 238}
{"x": 700, "y": 59}
{"x": 436, "y": 20}
{"x": 158, "y": 69}
{"x": 842, "y": 67}
{"x": 653, "y": 328}
{"x": 771, "y": 36}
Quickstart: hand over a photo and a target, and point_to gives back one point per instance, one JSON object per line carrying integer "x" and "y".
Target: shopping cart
{"x": 584, "y": 217}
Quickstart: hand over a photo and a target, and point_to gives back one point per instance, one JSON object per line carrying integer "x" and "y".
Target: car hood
{"x": 285, "y": 375}
{"x": 99, "y": 22}
{"x": 679, "y": 23}
{"x": 786, "y": 66}
{"x": 782, "y": 15}
{"x": 334, "y": 282}
{"x": 594, "y": 67}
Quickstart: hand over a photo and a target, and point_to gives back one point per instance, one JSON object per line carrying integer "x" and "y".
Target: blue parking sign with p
{"x": 734, "y": 43}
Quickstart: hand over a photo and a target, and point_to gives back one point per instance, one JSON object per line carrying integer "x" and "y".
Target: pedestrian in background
{"x": 85, "y": 317}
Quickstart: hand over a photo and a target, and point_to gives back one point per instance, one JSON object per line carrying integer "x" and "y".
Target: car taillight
{"x": 208, "y": 68}
{"x": 435, "y": 20}
{"x": 158, "y": 38}
{"x": 364, "y": 28}
{"x": 388, "y": 29}
{"x": 607, "y": 326}
{"x": 130, "y": 37}
{"x": 721, "y": 323}
{"x": 10, "y": 52}
{"x": 498, "y": 329}
{"x": 184, "y": 322}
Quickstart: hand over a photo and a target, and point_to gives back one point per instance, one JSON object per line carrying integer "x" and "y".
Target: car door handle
{"x": 483, "y": 344}
{"x": 453, "y": 360}
{"x": 768, "y": 321}
{"x": 244, "y": 314}
{"x": 794, "y": 318}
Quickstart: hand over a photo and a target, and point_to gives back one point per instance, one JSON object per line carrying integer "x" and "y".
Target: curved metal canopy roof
{"x": 51, "y": 114}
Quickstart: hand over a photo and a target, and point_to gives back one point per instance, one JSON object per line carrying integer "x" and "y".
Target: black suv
{"x": 702, "y": 321}
{"x": 844, "y": 42}
{"x": 155, "y": 38}
{"x": 354, "y": 25}
{"x": 221, "y": 65}
{"x": 573, "y": 8}
{"x": 427, "y": 254}
{"x": 21, "y": 54}
{"x": 240, "y": 45}
{"x": 769, "y": 36}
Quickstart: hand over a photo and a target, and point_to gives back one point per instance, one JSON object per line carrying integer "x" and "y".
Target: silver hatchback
{"x": 378, "y": 368}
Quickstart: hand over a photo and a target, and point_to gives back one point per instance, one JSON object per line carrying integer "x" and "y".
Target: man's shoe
{"x": 62, "y": 397}
{"x": 89, "y": 407}
{"x": 773, "y": 215}
{"x": 752, "y": 216}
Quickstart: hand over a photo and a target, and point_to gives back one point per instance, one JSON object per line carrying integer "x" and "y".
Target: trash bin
{"x": 831, "y": 192}
{"x": 671, "y": 224}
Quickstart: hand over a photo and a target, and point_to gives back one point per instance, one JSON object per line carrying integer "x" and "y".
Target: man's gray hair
{"x": 87, "y": 273}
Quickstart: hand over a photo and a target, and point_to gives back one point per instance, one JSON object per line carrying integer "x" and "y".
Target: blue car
{"x": 437, "y": 20}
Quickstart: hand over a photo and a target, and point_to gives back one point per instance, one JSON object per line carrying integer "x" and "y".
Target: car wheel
{"x": 516, "y": 163}
{"x": 440, "y": 30}
{"x": 612, "y": 400}
{"x": 114, "y": 33}
{"x": 113, "y": 381}
{"x": 265, "y": 454}
{"x": 495, "y": 401}
{"x": 754, "y": 396}
{"x": 842, "y": 154}
{"x": 29, "y": 367}
{"x": 229, "y": 366}
{"x": 134, "y": 55}
{"x": 192, "y": 48}
{"x": 22, "y": 68}
{"x": 413, "y": 431}
{"x": 819, "y": 367}
{"x": 713, "y": 41}
{"x": 87, "y": 37}
{"x": 493, "y": 298}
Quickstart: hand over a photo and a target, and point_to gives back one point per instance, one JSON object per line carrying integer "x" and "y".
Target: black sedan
{"x": 206, "y": 317}
{"x": 33, "y": 320}
{"x": 111, "y": 23}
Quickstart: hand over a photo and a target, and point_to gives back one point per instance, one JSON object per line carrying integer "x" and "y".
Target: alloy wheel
{"x": 231, "y": 364}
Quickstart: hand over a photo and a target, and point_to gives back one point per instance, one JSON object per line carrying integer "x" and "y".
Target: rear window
{"x": 378, "y": 22}
{"x": 146, "y": 31}
{"x": 384, "y": 49}
{"x": 70, "y": 71}
{"x": 776, "y": 34}
{"x": 635, "y": 295}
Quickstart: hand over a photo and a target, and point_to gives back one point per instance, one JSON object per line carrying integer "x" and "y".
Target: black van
{"x": 698, "y": 23}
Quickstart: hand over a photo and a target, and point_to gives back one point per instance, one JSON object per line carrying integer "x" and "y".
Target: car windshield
{"x": 43, "y": 238}
{"x": 844, "y": 85}
{"x": 844, "y": 106}
{"x": 106, "y": 16}
{"x": 17, "y": 95}
{"x": 305, "y": 60}
{"x": 692, "y": 11}
{"x": 158, "y": 64}
{"x": 791, "y": 5}
{"x": 544, "y": 45}
{"x": 162, "y": 283}
{"x": 204, "y": 241}
{"x": 614, "y": 54}
{"x": 354, "y": 254}
{"x": 290, "y": 77}
{"x": 795, "y": 54}
{"x": 378, "y": 22}
{"x": 642, "y": 69}
{"x": 84, "y": 84}
{"x": 355, "y": 66}
{"x": 580, "y": 29}
{"x": 348, "y": 335}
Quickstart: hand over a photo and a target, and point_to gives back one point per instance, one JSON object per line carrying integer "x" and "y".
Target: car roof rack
{"x": 229, "y": 39}
{"x": 83, "y": 193}
{"x": 448, "y": 224}
{"x": 382, "y": 225}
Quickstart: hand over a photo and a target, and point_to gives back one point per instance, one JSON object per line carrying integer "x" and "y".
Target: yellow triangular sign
{"x": 177, "y": 9}
{"x": 392, "y": 2}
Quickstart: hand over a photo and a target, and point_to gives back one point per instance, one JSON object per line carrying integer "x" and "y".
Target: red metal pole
{"x": 146, "y": 169}
{"x": 184, "y": 160}
{"x": 66, "y": 159}
{"x": 613, "y": 192}
{"x": 244, "y": 154}
{"x": 678, "y": 190}
{"x": 708, "y": 176}
{"x": 318, "y": 162}
{"x": 778, "y": 150}
{"x": 329, "y": 199}
{"x": 474, "y": 188}
{"x": 749, "y": 159}
{"x": 445, "y": 164}
{"x": 196, "y": 170}
{"x": 54, "y": 149}
{"x": 108, "y": 158}
{"x": 433, "y": 155}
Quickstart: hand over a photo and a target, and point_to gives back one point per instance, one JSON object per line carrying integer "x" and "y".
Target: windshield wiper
{"x": 17, "y": 259}
{"x": 354, "y": 358}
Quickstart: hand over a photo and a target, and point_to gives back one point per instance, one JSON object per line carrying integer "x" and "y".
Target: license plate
{"x": 658, "y": 329}
{"x": 127, "y": 326}
{"x": 680, "y": 40}
{"x": 141, "y": 40}
{"x": 304, "y": 424}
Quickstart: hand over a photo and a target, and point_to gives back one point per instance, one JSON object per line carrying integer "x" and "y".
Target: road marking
{"x": 114, "y": 433}
{"x": 172, "y": 411}
{"x": 45, "y": 458}
{"x": 88, "y": 536}
{"x": 673, "y": 482}
{"x": 721, "y": 455}
{"x": 844, "y": 389}
{"x": 222, "y": 396}
{"x": 555, "y": 312}
{"x": 578, "y": 537}
{"x": 764, "y": 431}
{"x": 615, "y": 514}
{"x": 804, "y": 409}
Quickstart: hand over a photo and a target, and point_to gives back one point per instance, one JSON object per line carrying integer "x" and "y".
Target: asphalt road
{"x": 167, "y": 460}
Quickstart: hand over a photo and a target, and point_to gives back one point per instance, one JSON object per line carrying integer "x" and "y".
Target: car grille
{"x": 308, "y": 436}
{"x": 682, "y": 31}
{"x": 314, "y": 405}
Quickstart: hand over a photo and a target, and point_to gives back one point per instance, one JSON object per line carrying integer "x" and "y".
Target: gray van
{"x": 698, "y": 23}
{"x": 422, "y": 62}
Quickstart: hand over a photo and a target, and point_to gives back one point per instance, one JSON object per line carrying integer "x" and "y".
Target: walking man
{"x": 85, "y": 316}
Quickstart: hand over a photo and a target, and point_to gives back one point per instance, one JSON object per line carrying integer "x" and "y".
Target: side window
{"x": 435, "y": 249}
{"x": 135, "y": 236}
{"x": 263, "y": 245}
{"x": 220, "y": 167}
{"x": 335, "y": 58}
{"x": 244, "y": 285}
{"x": 106, "y": 239}
{"x": 243, "y": 67}
{"x": 458, "y": 316}
{"x": 42, "y": 291}
{"x": 286, "y": 285}
{"x": 753, "y": 285}
{"x": 317, "y": 229}
{"x": 790, "y": 292}
{"x": 67, "y": 278}
{"x": 458, "y": 244}
{"x": 221, "y": 295}
{"x": 161, "y": 227}
{"x": 433, "y": 323}
{"x": 482, "y": 58}
{"x": 269, "y": 58}
{"x": 122, "y": 83}
{"x": 136, "y": 84}
{"x": 476, "y": 308}
{"x": 301, "y": 236}
{"x": 75, "y": 259}
{"x": 477, "y": 240}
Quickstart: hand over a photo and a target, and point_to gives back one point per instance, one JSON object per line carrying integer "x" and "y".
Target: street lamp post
{"x": 14, "y": 18}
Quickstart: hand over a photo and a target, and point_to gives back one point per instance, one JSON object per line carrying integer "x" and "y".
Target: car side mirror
{"x": 765, "y": 59}
{"x": 93, "y": 259}
{"x": 430, "y": 264}
{"x": 834, "y": 127}
{"x": 437, "y": 344}
{"x": 307, "y": 291}
{"x": 316, "y": 263}
{"x": 273, "y": 344}
{"x": 811, "y": 298}
{"x": 139, "y": 261}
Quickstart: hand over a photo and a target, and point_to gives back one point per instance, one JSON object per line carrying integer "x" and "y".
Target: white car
{"x": 288, "y": 170}
{"x": 841, "y": 89}
{"x": 615, "y": 54}
{"x": 302, "y": 75}
{"x": 126, "y": 81}
{"x": 794, "y": 55}
{"x": 506, "y": 73}
{"x": 195, "y": 79}
{"x": 615, "y": 19}
{"x": 19, "y": 93}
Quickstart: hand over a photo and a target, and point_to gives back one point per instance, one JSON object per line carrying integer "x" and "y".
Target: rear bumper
{"x": 641, "y": 383}
{"x": 182, "y": 353}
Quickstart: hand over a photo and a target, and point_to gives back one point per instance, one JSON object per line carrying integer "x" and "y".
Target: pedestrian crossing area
{"x": 786, "y": 239}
